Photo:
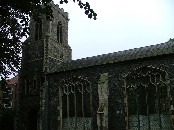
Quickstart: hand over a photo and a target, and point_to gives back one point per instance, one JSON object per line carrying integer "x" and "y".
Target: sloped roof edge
{"x": 131, "y": 54}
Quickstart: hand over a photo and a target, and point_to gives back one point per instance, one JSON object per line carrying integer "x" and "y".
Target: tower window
{"x": 147, "y": 95}
{"x": 27, "y": 89}
{"x": 59, "y": 32}
{"x": 38, "y": 30}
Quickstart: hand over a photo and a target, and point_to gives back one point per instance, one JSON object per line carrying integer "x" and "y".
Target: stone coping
{"x": 131, "y": 54}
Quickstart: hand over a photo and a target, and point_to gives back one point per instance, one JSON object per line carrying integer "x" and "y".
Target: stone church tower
{"x": 46, "y": 47}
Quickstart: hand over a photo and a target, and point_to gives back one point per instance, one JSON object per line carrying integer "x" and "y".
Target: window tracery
{"x": 76, "y": 105}
{"x": 148, "y": 105}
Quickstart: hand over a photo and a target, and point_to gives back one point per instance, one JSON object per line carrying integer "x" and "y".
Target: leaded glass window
{"x": 148, "y": 99}
{"x": 76, "y": 106}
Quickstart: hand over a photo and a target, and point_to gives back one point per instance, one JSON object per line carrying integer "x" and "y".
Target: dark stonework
{"x": 38, "y": 57}
{"x": 47, "y": 67}
{"x": 116, "y": 72}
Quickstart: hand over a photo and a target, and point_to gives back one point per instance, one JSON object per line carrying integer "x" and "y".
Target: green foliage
{"x": 14, "y": 25}
{"x": 85, "y": 6}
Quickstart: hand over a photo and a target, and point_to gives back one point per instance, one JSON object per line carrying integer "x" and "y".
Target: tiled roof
{"x": 13, "y": 80}
{"x": 136, "y": 53}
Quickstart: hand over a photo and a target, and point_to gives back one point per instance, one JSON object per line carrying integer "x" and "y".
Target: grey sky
{"x": 121, "y": 25}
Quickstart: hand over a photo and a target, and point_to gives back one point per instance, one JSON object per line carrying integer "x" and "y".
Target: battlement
{"x": 59, "y": 10}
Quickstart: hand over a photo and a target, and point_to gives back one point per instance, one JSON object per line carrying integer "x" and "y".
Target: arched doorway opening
{"x": 32, "y": 119}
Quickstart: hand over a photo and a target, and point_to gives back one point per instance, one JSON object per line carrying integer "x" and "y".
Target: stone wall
{"x": 38, "y": 56}
{"x": 116, "y": 73}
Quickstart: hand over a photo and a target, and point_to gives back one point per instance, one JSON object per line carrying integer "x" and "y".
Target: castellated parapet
{"x": 59, "y": 10}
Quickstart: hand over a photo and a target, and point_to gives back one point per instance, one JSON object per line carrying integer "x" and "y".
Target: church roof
{"x": 136, "y": 53}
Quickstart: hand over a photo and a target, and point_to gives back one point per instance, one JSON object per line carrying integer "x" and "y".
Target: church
{"x": 126, "y": 90}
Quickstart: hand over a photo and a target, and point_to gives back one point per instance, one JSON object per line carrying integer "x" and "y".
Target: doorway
{"x": 32, "y": 119}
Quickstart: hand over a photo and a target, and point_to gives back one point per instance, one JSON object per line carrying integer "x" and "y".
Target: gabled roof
{"x": 136, "y": 53}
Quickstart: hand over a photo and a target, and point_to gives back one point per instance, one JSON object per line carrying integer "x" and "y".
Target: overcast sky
{"x": 120, "y": 25}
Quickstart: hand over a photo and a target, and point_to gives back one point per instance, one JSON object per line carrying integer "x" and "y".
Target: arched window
{"x": 76, "y": 105}
{"x": 38, "y": 30}
{"x": 59, "y": 32}
{"x": 148, "y": 99}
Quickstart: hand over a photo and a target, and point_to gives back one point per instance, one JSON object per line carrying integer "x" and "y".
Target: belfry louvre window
{"x": 76, "y": 106}
{"x": 59, "y": 32}
{"x": 38, "y": 30}
{"x": 147, "y": 94}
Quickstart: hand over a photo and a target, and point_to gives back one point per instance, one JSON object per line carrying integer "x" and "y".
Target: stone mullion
{"x": 60, "y": 107}
{"x": 75, "y": 107}
{"x": 67, "y": 94}
{"x": 126, "y": 104}
{"x": 171, "y": 94}
{"x": 147, "y": 103}
{"x": 83, "y": 105}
